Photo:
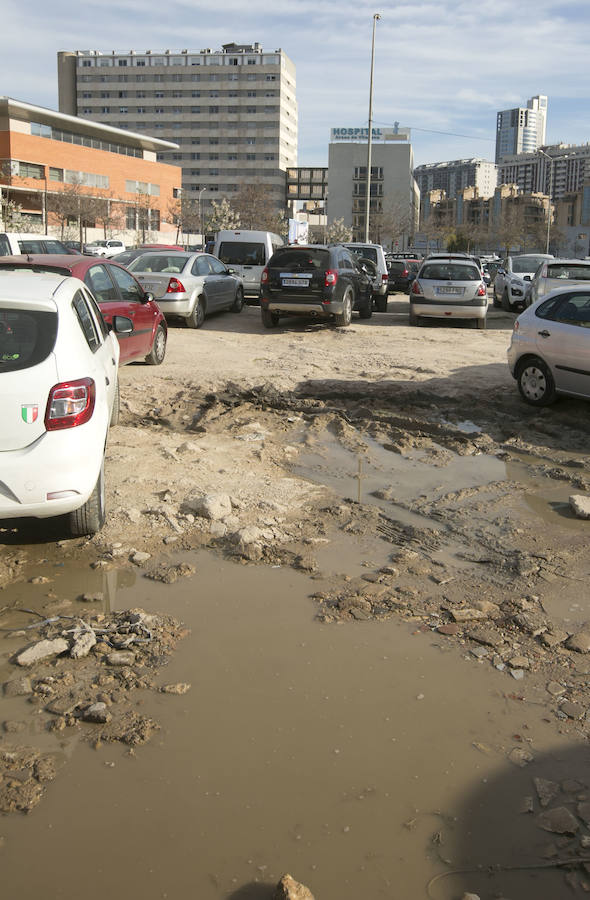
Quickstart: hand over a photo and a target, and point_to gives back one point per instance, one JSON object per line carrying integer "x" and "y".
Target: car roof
{"x": 31, "y": 286}
{"x": 462, "y": 260}
{"x": 571, "y": 262}
{"x": 49, "y": 261}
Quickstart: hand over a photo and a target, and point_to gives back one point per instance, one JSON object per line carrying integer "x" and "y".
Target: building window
{"x": 122, "y": 62}
{"x": 105, "y": 109}
{"x": 214, "y": 110}
{"x": 213, "y": 140}
{"x": 251, "y": 76}
{"x": 86, "y": 63}
{"x": 159, "y": 94}
{"x": 233, "y": 76}
{"x": 141, "y": 110}
{"x": 195, "y": 109}
{"x": 122, "y": 93}
{"x": 123, "y": 109}
{"x": 250, "y": 93}
{"x": 233, "y": 61}
{"x": 159, "y": 110}
{"x": 214, "y": 156}
{"x": 250, "y": 156}
{"x": 214, "y": 93}
{"x": 271, "y": 77}
{"x": 140, "y": 62}
{"x": 251, "y": 110}
{"x": 56, "y": 174}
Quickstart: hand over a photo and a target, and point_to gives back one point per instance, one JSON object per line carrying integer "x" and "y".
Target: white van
{"x": 15, "y": 243}
{"x": 247, "y": 253}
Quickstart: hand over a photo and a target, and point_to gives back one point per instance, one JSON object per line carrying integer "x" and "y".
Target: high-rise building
{"x": 453, "y": 176}
{"x": 233, "y": 112}
{"x": 521, "y": 130}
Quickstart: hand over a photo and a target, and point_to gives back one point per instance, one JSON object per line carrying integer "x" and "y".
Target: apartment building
{"x": 454, "y": 176}
{"x": 557, "y": 169}
{"x": 45, "y": 154}
{"x": 232, "y": 112}
{"x": 521, "y": 129}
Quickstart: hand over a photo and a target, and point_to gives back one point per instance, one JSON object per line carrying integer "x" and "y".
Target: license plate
{"x": 449, "y": 290}
{"x": 295, "y": 282}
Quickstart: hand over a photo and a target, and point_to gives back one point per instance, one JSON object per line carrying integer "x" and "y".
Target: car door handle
{"x": 544, "y": 333}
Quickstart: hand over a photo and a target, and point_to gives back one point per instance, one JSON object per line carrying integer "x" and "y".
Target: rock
{"x": 479, "y": 652}
{"x": 467, "y": 614}
{"x": 531, "y": 623}
{"x": 518, "y": 674}
{"x": 134, "y": 515}
{"x": 289, "y": 889}
{"x": 571, "y": 786}
{"x": 42, "y": 650}
{"x": 210, "y": 506}
{"x": 248, "y": 535}
{"x": 97, "y": 713}
{"x": 555, "y": 688}
{"x": 218, "y": 529}
{"x": 580, "y": 506}
{"x": 121, "y": 658}
{"x": 13, "y": 727}
{"x": 98, "y": 597}
{"x": 519, "y": 662}
{"x": 559, "y": 821}
{"x": 138, "y": 557}
{"x": 553, "y": 638}
{"x": 83, "y": 645}
{"x": 579, "y": 642}
{"x": 520, "y": 757}
{"x": 39, "y": 579}
{"x": 469, "y": 896}
{"x": 583, "y": 810}
{"x": 180, "y": 688}
{"x": 546, "y": 790}
{"x": 487, "y": 607}
{"x": 488, "y": 636}
{"x": 18, "y": 687}
{"x": 572, "y": 710}
{"x": 451, "y": 628}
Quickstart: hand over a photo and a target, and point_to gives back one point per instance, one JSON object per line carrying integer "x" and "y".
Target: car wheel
{"x": 269, "y": 319}
{"x": 506, "y": 301}
{"x": 344, "y": 318}
{"x": 197, "y": 316}
{"x": 481, "y": 324}
{"x": 116, "y": 408}
{"x": 156, "y": 355}
{"x": 381, "y": 303}
{"x": 89, "y": 519}
{"x": 366, "y": 309}
{"x": 414, "y": 319}
{"x": 495, "y": 300}
{"x": 535, "y": 382}
{"x": 238, "y": 303}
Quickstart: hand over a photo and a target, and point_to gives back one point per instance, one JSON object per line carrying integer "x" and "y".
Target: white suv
{"x": 58, "y": 395}
{"x": 106, "y": 249}
{"x": 376, "y": 254}
{"x": 513, "y": 279}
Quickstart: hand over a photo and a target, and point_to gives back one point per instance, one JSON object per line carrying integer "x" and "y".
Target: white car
{"x": 450, "y": 287}
{"x": 58, "y": 395}
{"x": 549, "y": 352}
{"x": 106, "y": 249}
{"x": 513, "y": 277}
{"x": 376, "y": 254}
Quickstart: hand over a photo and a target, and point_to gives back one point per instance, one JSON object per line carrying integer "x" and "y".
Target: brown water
{"x": 333, "y": 752}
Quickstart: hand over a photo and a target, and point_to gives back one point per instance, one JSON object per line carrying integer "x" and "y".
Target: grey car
{"x": 555, "y": 274}
{"x": 512, "y": 277}
{"x": 450, "y": 288}
{"x": 549, "y": 353}
{"x": 188, "y": 285}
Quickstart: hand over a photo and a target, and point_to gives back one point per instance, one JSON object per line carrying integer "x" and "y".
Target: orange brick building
{"x": 70, "y": 177}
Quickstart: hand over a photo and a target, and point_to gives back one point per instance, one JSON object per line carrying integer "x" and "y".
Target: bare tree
{"x": 510, "y": 230}
{"x": 256, "y": 208}
{"x": 222, "y": 216}
{"x": 391, "y": 224}
{"x": 337, "y": 232}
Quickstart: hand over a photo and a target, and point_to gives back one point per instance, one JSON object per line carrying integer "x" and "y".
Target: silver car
{"x": 451, "y": 288}
{"x": 555, "y": 274}
{"x": 549, "y": 352}
{"x": 511, "y": 283}
{"x": 188, "y": 285}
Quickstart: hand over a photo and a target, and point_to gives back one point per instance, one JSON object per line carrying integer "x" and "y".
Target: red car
{"x": 117, "y": 293}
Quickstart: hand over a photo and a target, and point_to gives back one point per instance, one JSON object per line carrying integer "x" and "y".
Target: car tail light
{"x": 330, "y": 278}
{"x": 385, "y": 278}
{"x": 544, "y": 272}
{"x": 175, "y": 287}
{"x": 264, "y": 276}
{"x": 70, "y": 403}
{"x": 481, "y": 291}
{"x": 405, "y": 273}
{"x": 416, "y": 289}
{"x": 516, "y": 326}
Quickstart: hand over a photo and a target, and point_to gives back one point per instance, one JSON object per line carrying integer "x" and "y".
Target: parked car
{"x": 107, "y": 249}
{"x": 376, "y": 254}
{"x": 510, "y": 283}
{"x": 549, "y": 353}
{"x": 449, "y": 287}
{"x": 189, "y": 285}
{"x": 12, "y": 242}
{"x": 554, "y": 274}
{"x": 326, "y": 282}
{"x": 401, "y": 273}
{"x": 58, "y": 395}
{"x": 128, "y": 256}
{"x": 76, "y": 246}
{"x": 247, "y": 252}
{"x": 118, "y": 294}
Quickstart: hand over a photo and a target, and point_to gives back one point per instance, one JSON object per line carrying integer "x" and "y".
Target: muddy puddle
{"x": 363, "y": 758}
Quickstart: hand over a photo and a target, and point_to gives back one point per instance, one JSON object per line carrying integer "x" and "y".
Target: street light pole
{"x": 546, "y": 155}
{"x": 201, "y": 217}
{"x": 376, "y": 16}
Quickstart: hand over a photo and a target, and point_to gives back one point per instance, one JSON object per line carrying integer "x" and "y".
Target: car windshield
{"x": 396, "y": 268}
{"x": 569, "y": 270}
{"x": 364, "y": 252}
{"x": 449, "y": 272}
{"x": 97, "y": 244}
{"x": 27, "y": 337}
{"x": 241, "y": 253}
{"x": 159, "y": 262}
{"x": 299, "y": 258}
{"x": 521, "y": 264}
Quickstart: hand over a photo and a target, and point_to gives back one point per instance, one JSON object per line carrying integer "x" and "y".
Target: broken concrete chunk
{"x": 559, "y": 821}
{"x": 289, "y": 889}
{"x": 83, "y": 645}
{"x": 210, "y": 506}
{"x": 42, "y": 650}
{"x": 583, "y": 810}
{"x": 468, "y": 614}
{"x": 180, "y": 688}
{"x": 572, "y": 710}
{"x": 580, "y": 506}
{"x": 546, "y": 790}
{"x": 121, "y": 658}
{"x": 97, "y": 713}
{"x": 579, "y": 642}
{"x": 18, "y": 687}
{"x": 520, "y": 757}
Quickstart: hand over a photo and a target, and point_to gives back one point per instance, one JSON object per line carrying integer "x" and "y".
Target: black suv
{"x": 323, "y": 281}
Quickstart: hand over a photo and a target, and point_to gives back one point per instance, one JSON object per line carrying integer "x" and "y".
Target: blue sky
{"x": 441, "y": 68}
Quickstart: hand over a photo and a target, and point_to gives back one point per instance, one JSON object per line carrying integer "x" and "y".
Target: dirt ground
{"x": 267, "y": 445}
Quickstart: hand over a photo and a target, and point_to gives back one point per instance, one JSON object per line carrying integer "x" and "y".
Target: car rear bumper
{"x": 305, "y": 307}
{"x": 176, "y": 305}
{"x": 469, "y": 310}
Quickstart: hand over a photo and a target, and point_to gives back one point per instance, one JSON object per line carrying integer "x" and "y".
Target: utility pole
{"x": 376, "y": 16}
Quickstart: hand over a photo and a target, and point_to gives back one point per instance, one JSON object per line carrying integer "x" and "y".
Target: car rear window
{"x": 396, "y": 268}
{"x": 300, "y": 259}
{"x": 27, "y": 337}
{"x": 450, "y": 272}
{"x": 158, "y": 263}
{"x": 526, "y": 263}
{"x": 569, "y": 270}
{"x": 242, "y": 253}
{"x": 365, "y": 253}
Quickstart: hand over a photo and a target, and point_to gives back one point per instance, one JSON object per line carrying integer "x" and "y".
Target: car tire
{"x": 197, "y": 316}
{"x": 481, "y": 324}
{"x": 269, "y": 319}
{"x": 116, "y": 407}
{"x": 381, "y": 303}
{"x": 535, "y": 382}
{"x": 344, "y": 318}
{"x": 238, "y": 304}
{"x": 156, "y": 355}
{"x": 497, "y": 303}
{"x": 505, "y": 301}
{"x": 414, "y": 319}
{"x": 89, "y": 519}
{"x": 366, "y": 309}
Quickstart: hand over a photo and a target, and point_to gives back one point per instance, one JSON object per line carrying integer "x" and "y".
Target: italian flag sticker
{"x": 29, "y": 413}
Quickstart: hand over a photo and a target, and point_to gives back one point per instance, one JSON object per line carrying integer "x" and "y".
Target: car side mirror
{"x": 501, "y": 272}
{"x": 527, "y": 278}
{"x": 122, "y": 325}
{"x": 148, "y": 297}
{"x": 230, "y": 272}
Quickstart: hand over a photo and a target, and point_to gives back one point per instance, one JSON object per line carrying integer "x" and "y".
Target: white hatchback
{"x": 58, "y": 395}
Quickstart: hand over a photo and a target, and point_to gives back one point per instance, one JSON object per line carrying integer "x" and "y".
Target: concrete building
{"x": 112, "y": 174}
{"x": 233, "y": 112}
{"x": 564, "y": 173}
{"x": 395, "y": 198}
{"x": 522, "y": 129}
{"x": 452, "y": 177}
